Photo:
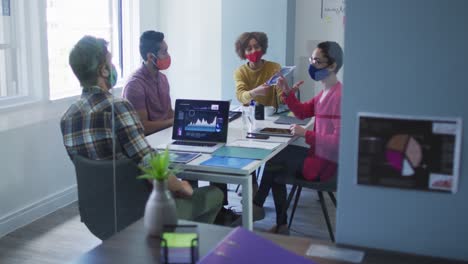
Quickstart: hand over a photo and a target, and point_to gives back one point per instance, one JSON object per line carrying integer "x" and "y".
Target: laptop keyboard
{"x": 196, "y": 144}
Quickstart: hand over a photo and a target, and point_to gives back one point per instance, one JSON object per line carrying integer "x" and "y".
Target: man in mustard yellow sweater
{"x": 250, "y": 78}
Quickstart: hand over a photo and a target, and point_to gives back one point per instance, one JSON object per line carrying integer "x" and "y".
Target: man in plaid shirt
{"x": 87, "y": 127}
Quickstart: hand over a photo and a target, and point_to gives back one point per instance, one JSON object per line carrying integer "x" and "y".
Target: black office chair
{"x": 96, "y": 194}
{"x": 298, "y": 183}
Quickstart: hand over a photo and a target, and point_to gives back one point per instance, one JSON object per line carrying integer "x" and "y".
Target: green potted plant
{"x": 160, "y": 208}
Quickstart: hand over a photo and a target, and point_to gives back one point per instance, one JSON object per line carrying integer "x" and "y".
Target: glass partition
{"x": 36, "y": 167}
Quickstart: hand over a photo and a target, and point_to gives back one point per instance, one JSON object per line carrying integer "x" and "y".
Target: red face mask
{"x": 254, "y": 56}
{"x": 163, "y": 64}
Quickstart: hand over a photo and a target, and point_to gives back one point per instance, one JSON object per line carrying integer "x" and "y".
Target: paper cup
{"x": 269, "y": 110}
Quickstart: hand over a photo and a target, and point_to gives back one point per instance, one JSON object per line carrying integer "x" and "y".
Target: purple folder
{"x": 243, "y": 246}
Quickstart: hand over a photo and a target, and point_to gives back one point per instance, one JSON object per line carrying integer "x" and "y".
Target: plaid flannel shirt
{"x": 87, "y": 128}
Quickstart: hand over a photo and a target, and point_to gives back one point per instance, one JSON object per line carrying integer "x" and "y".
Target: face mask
{"x": 163, "y": 64}
{"x": 318, "y": 74}
{"x": 112, "y": 78}
{"x": 254, "y": 56}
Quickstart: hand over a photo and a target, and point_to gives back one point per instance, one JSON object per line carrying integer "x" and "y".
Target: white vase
{"x": 160, "y": 209}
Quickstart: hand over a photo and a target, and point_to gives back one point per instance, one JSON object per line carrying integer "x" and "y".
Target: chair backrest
{"x": 331, "y": 184}
{"x": 95, "y": 179}
{"x": 325, "y": 186}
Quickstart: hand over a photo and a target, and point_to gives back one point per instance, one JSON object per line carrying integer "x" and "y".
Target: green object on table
{"x": 180, "y": 240}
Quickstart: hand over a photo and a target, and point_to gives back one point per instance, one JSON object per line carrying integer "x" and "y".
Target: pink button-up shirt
{"x": 149, "y": 92}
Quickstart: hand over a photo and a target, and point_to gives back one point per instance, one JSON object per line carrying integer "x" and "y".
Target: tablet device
{"x": 284, "y": 71}
{"x": 274, "y": 131}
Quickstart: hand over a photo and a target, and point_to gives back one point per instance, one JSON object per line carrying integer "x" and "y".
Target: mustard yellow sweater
{"x": 247, "y": 79}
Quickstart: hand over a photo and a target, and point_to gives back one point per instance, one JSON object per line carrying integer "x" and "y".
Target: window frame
{"x": 26, "y": 28}
{"x": 32, "y": 67}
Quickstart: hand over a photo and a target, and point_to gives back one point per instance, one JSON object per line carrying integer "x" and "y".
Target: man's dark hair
{"x": 243, "y": 41}
{"x": 88, "y": 54}
{"x": 150, "y": 42}
{"x": 333, "y": 52}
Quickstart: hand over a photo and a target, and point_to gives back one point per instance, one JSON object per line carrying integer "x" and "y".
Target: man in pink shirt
{"x": 148, "y": 89}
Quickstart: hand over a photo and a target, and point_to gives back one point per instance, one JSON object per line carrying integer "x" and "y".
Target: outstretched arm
{"x": 300, "y": 110}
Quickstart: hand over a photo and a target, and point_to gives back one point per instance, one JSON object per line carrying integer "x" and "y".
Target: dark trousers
{"x": 285, "y": 164}
{"x": 223, "y": 187}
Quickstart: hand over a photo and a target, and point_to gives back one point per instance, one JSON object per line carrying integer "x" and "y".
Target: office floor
{"x": 60, "y": 237}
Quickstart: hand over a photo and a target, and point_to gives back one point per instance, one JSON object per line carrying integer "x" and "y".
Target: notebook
{"x": 227, "y": 162}
{"x": 183, "y": 157}
{"x": 199, "y": 125}
{"x": 243, "y": 246}
{"x": 240, "y": 152}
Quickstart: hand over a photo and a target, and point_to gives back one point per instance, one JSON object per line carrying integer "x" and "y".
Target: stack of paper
{"x": 254, "y": 144}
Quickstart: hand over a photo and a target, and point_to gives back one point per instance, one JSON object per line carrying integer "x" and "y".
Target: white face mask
{"x": 153, "y": 60}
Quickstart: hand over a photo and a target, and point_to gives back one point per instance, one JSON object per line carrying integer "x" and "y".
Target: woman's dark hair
{"x": 150, "y": 42}
{"x": 243, "y": 41}
{"x": 333, "y": 52}
{"x": 88, "y": 54}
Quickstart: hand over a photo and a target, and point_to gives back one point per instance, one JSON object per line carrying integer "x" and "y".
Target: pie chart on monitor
{"x": 404, "y": 154}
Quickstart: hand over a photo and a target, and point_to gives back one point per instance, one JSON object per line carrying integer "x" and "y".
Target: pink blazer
{"x": 321, "y": 161}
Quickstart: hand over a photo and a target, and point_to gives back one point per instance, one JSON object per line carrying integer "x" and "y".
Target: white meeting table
{"x": 194, "y": 171}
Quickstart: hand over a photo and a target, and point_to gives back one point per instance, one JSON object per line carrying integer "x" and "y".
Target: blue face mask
{"x": 318, "y": 74}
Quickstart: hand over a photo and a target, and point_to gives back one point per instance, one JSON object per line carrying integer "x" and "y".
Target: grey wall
{"x": 403, "y": 57}
{"x": 310, "y": 30}
{"x": 36, "y": 177}
{"x": 238, "y": 16}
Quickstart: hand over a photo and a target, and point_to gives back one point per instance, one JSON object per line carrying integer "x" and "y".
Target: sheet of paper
{"x": 354, "y": 256}
{"x": 254, "y": 144}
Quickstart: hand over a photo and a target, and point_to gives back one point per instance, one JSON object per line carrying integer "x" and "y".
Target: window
{"x": 8, "y": 80}
{"x": 67, "y": 22}
{"x": 20, "y": 46}
{"x": 36, "y": 38}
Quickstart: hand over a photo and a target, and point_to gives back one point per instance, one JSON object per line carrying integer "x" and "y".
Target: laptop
{"x": 199, "y": 125}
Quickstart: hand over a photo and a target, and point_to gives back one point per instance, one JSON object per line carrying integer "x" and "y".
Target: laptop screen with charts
{"x": 200, "y": 125}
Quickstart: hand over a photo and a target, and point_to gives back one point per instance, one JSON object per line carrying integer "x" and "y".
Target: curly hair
{"x": 243, "y": 41}
{"x": 88, "y": 54}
